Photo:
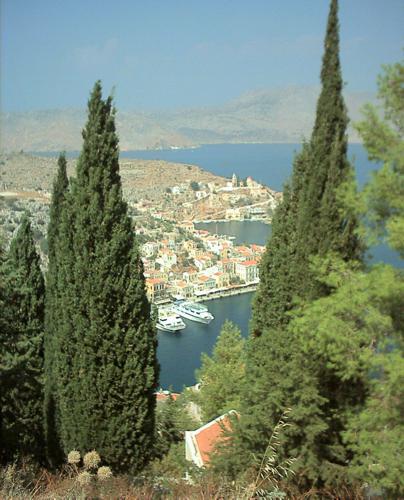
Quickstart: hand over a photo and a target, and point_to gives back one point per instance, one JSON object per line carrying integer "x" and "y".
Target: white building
{"x": 247, "y": 271}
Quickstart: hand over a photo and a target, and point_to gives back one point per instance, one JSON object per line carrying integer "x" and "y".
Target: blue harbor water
{"x": 270, "y": 164}
{"x": 243, "y": 231}
{"x": 179, "y": 354}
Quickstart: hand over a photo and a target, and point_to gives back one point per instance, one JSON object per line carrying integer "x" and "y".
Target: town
{"x": 182, "y": 262}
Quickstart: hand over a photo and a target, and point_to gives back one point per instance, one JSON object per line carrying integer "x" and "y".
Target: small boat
{"x": 169, "y": 321}
{"x": 193, "y": 311}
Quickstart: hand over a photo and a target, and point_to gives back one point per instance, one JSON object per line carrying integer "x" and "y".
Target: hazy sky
{"x": 180, "y": 53}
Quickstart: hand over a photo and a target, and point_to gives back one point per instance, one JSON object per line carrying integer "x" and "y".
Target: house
{"x": 204, "y": 261}
{"x": 155, "y": 288}
{"x": 228, "y": 266}
{"x": 164, "y": 396}
{"x": 204, "y": 284}
{"x": 190, "y": 275}
{"x": 167, "y": 258}
{"x": 150, "y": 248}
{"x": 222, "y": 279}
{"x": 182, "y": 289}
{"x": 199, "y": 444}
{"x": 243, "y": 251}
{"x": 258, "y": 250}
{"x": 247, "y": 271}
{"x": 200, "y": 194}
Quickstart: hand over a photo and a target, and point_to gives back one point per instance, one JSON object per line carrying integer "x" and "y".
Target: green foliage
{"x": 221, "y": 375}
{"x": 335, "y": 338}
{"x": 194, "y": 185}
{"x": 328, "y": 335}
{"x": 312, "y": 221}
{"x": 323, "y": 222}
{"x": 384, "y": 141}
{"x": 168, "y": 432}
{"x": 106, "y": 366}
{"x": 277, "y": 282}
{"x": 21, "y": 339}
{"x": 172, "y": 420}
{"x": 52, "y": 316}
{"x": 375, "y": 434}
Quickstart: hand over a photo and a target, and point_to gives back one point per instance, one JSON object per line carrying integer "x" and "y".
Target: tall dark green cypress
{"x": 107, "y": 367}
{"x": 277, "y": 283}
{"x": 52, "y": 315}
{"x": 21, "y": 366}
{"x": 310, "y": 222}
{"x": 323, "y": 224}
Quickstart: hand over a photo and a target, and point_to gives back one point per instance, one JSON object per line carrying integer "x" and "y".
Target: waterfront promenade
{"x": 217, "y": 294}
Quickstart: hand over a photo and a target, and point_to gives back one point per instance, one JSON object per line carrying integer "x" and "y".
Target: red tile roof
{"x": 248, "y": 263}
{"x": 208, "y": 436}
{"x": 164, "y": 396}
{"x": 154, "y": 281}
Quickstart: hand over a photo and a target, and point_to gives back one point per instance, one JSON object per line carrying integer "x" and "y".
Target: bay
{"x": 243, "y": 231}
{"x": 179, "y": 353}
{"x": 270, "y": 164}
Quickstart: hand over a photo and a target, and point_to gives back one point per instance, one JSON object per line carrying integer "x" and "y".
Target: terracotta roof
{"x": 204, "y": 278}
{"x": 207, "y": 436}
{"x": 259, "y": 248}
{"x": 165, "y": 395}
{"x": 248, "y": 263}
{"x": 154, "y": 281}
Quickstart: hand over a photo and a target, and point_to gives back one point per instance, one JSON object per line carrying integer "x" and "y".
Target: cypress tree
{"x": 107, "y": 368}
{"x": 52, "y": 316}
{"x": 323, "y": 224}
{"x": 21, "y": 342}
{"x": 277, "y": 282}
{"x": 310, "y": 222}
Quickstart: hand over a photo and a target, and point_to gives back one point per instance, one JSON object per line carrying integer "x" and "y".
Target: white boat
{"x": 193, "y": 311}
{"x": 169, "y": 321}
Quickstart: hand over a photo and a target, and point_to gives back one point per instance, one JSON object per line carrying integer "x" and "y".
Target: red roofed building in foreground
{"x": 163, "y": 396}
{"x": 200, "y": 443}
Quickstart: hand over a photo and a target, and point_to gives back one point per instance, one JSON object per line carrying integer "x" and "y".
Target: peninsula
{"x": 164, "y": 200}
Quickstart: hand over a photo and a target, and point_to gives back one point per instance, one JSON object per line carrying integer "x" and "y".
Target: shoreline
{"x": 220, "y": 294}
{"x": 214, "y": 221}
{"x": 227, "y": 293}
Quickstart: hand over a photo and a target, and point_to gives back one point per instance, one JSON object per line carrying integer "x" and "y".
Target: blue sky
{"x": 183, "y": 53}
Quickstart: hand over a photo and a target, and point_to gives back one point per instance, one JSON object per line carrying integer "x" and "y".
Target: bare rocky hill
{"x": 20, "y": 172}
{"x": 275, "y": 115}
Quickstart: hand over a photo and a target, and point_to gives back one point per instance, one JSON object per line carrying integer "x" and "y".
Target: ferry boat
{"x": 193, "y": 311}
{"x": 169, "y": 321}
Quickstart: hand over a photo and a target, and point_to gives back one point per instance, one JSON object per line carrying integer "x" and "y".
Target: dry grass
{"x": 27, "y": 483}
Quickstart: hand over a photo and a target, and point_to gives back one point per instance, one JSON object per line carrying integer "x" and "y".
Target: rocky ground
{"x": 151, "y": 187}
{"x": 24, "y": 172}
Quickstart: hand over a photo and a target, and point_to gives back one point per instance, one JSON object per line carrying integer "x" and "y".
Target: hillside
{"x": 24, "y": 172}
{"x": 271, "y": 115}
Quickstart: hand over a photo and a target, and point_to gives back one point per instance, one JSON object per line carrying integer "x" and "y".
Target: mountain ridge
{"x": 261, "y": 116}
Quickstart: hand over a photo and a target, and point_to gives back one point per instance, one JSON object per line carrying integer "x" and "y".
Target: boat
{"x": 169, "y": 321}
{"x": 193, "y": 311}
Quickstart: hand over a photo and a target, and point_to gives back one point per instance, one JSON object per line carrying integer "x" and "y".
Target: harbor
{"x": 179, "y": 353}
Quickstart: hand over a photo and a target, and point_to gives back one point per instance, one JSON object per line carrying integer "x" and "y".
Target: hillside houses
{"x": 189, "y": 263}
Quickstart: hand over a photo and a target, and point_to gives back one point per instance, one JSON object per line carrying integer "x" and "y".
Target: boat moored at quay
{"x": 193, "y": 311}
{"x": 169, "y": 321}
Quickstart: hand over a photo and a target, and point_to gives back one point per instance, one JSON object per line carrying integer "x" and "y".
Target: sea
{"x": 179, "y": 353}
{"x": 271, "y": 164}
